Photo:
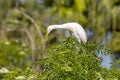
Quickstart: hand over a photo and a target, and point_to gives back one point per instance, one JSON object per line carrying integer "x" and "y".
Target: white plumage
{"x": 77, "y": 30}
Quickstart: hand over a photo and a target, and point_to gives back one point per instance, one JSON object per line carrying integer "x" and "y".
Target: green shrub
{"x": 13, "y": 53}
{"x": 68, "y": 60}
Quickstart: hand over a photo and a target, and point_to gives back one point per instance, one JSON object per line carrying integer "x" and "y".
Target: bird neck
{"x": 64, "y": 26}
{"x": 57, "y": 26}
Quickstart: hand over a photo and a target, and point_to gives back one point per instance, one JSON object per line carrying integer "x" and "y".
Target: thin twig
{"x": 32, "y": 43}
{"x": 2, "y": 32}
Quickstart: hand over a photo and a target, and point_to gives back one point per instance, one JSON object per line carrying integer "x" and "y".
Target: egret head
{"x": 49, "y": 29}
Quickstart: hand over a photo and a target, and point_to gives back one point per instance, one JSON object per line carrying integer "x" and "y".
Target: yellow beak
{"x": 46, "y": 34}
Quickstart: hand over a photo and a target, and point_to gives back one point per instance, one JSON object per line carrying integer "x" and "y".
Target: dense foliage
{"x": 68, "y": 60}
{"x": 13, "y": 54}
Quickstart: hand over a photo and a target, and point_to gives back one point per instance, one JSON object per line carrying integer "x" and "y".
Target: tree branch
{"x": 35, "y": 24}
{"x": 32, "y": 43}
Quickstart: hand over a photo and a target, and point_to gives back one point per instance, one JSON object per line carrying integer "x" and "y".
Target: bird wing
{"x": 77, "y": 37}
{"x": 81, "y": 33}
{"x": 78, "y": 32}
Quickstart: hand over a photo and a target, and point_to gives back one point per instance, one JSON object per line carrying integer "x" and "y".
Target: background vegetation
{"x": 24, "y": 49}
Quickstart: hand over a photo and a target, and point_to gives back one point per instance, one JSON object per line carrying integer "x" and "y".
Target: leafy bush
{"x": 71, "y": 60}
{"x": 68, "y": 60}
{"x": 13, "y": 53}
{"x": 24, "y": 74}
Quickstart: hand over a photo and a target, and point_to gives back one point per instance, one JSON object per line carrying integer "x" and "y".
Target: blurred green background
{"x": 23, "y": 26}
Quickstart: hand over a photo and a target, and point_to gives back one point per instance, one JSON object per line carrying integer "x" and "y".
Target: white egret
{"x": 77, "y": 30}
